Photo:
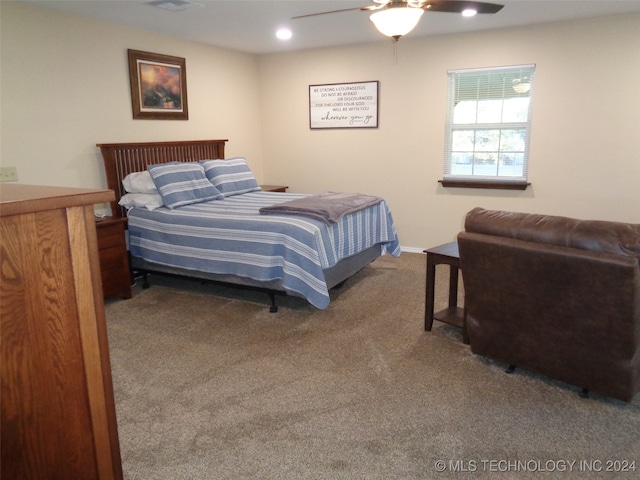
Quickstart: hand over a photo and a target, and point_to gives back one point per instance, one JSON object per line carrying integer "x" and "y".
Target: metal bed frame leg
{"x": 273, "y": 308}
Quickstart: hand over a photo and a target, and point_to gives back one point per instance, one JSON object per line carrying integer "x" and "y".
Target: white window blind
{"x": 488, "y": 124}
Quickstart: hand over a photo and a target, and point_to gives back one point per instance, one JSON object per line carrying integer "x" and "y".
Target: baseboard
{"x": 412, "y": 249}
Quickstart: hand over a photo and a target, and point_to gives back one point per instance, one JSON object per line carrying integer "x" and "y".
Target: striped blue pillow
{"x": 231, "y": 177}
{"x": 182, "y": 184}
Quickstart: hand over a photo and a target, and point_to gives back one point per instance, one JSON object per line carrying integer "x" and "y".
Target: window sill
{"x": 484, "y": 184}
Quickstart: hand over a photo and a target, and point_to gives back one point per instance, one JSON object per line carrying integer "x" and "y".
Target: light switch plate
{"x": 8, "y": 174}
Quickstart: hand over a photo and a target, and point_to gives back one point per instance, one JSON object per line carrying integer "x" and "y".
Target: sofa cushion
{"x": 593, "y": 235}
{"x": 612, "y": 237}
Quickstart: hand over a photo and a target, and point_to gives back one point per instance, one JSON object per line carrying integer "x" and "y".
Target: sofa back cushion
{"x": 593, "y": 235}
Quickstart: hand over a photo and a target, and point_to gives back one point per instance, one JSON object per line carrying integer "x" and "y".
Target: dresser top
{"x": 16, "y": 199}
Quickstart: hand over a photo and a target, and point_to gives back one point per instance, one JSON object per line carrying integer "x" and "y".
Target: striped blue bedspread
{"x": 230, "y": 236}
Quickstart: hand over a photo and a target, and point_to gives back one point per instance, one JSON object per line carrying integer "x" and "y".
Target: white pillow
{"x": 150, "y": 201}
{"x": 139, "y": 182}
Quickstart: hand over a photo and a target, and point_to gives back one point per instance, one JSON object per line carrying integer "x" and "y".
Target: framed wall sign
{"x": 343, "y": 105}
{"x": 158, "y": 86}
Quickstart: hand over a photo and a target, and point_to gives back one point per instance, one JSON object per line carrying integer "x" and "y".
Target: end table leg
{"x": 429, "y": 293}
{"x": 453, "y": 286}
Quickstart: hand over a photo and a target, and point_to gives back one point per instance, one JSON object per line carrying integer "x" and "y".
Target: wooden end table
{"x": 452, "y": 315}
{"x": 274, "y": 188}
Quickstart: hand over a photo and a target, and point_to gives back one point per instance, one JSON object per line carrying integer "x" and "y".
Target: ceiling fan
{"x": 395, "y": 18}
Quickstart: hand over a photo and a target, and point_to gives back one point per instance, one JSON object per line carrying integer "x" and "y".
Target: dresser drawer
{"x": 111, "y": 235}
{"x": 114, "y": 258}
{"x": 116, "y": 283}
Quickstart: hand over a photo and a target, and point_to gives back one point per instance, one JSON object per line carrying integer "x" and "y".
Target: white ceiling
{"x": 250, "y": 25}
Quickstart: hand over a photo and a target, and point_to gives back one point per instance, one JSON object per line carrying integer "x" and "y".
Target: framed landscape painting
{"x": 158, "y": 86}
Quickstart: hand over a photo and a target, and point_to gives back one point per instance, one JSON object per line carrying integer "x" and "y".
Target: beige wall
{"x": 64, "y": 88}
{"x": 587, "y": 76}
{"x": 585, "y": 146}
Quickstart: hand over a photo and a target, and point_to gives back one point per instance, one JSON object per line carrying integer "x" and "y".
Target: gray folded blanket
{"x": 328, "y": 207}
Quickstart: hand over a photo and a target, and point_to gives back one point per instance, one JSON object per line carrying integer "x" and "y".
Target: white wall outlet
{"x": 8, "y": 174}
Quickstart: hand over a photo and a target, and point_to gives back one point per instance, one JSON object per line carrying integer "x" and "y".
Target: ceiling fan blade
{"x": 450, "y": 6}
{"x": 334, "y": 11}
{"x": 457, "y": 6}
{"x": 382, "y": 4}
{"x": 373, "y": 7}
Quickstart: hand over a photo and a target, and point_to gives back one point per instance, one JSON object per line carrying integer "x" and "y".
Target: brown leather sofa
{"x": 556, "y": 296}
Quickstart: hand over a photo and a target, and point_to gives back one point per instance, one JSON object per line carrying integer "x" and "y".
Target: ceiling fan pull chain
{"x": 395, "y": 52}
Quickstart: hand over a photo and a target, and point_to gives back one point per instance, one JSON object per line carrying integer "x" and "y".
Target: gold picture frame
{"x": 158, "y": 86}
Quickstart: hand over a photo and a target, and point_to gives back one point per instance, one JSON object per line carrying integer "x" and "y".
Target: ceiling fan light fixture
{"x": 396, "y": 21}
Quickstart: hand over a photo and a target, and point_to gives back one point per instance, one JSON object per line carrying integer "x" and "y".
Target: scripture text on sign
{"x": 344, "y": 105}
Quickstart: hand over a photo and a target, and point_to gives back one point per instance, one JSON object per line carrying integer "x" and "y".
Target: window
{"x": 488, "y": 124}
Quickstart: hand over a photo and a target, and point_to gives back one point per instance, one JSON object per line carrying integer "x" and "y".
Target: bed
{"x": 226, "y": 239}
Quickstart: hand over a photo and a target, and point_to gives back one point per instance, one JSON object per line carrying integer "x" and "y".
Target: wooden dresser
{"x": 57, "y": 404}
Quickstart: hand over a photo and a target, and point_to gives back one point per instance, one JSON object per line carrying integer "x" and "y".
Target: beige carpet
{"x": 210, "y": 385}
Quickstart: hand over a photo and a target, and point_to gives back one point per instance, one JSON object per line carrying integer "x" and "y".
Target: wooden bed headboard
{"x": 121, "y": 159}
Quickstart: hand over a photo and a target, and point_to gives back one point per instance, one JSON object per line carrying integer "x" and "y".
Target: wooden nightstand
{"x": 274, "y": 188}
{"x": 114, "y": 258}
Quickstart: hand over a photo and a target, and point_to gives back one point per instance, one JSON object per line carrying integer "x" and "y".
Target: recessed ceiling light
{"x": 469, "y": 12}
{"x": 284, "y": 34}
